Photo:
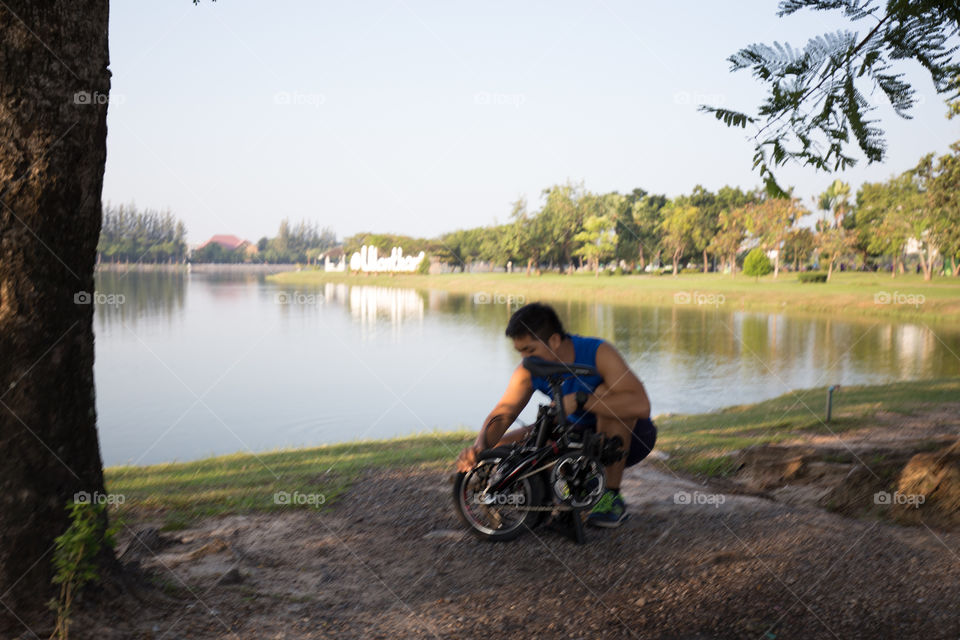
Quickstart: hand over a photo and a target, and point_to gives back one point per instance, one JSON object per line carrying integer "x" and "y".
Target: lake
{"x": 214, "y": 362}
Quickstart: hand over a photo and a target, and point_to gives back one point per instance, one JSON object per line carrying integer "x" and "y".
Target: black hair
{"x": 536, "y": 320}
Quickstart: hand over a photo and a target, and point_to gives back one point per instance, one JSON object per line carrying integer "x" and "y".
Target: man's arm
{"x": 515, "y": 398}
{"x": 621, "y": 395}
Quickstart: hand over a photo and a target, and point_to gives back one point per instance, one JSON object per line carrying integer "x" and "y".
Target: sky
{"x": 424, "y": 117}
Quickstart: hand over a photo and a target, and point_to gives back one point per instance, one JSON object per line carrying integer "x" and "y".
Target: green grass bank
{"x": 181, "y": 493}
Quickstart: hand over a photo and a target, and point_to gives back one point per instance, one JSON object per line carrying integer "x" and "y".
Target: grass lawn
{"x": 906, "y": 297}
{"x": 180, "y": 493}
{"x": 703, "y": 443}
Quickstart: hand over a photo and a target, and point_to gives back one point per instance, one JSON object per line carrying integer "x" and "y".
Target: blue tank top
{"x": 585, "y": 353}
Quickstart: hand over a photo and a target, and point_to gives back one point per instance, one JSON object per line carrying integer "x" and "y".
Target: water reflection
{"x": 196, "y": 364}
{"x": 152, "y": 294}
{"x": 397, "y": 307}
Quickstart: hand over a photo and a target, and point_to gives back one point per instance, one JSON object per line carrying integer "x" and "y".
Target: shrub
{"x": 424, "y": 266}
{"x": 813, "y": 276}
{"x": 757, "y": 263}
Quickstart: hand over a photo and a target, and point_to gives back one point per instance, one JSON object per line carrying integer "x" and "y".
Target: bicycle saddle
{"x": 545, "y": 368}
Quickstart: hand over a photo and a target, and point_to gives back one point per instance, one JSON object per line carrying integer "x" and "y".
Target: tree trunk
{"x": 54, "y": 85}
{"x": 642, "y": 261}
{"x": 927, "y": 264}
{"x": 705, "y": 261}
{"x": 830, "y": 271}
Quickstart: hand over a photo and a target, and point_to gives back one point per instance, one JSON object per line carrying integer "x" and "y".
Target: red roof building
{"x": 230, "y": 243}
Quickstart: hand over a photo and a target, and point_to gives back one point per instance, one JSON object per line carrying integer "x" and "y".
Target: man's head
{"x": 536, "y": 331}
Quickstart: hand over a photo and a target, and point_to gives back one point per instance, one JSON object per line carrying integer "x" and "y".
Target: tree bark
{"x": 54, "y": 84}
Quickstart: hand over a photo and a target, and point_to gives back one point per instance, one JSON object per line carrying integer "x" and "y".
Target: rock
{"x": 929, "y": 488}
{"x": 213, "y": 547}
{"x": 145, "y": 540}
{"x": 230, "y": 577}
{"x": 445, "y": 534}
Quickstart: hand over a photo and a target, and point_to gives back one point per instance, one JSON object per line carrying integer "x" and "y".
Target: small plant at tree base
{"x": 757, "y": 263}
{"x": 75, "y": 558}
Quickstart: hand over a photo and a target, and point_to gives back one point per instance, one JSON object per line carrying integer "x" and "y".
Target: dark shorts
{"x": 641, "y": 442}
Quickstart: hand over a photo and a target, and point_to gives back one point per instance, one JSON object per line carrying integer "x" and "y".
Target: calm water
{"x": 193, "y": 365}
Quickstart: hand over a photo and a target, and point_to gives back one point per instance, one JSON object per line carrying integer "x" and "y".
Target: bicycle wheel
{"x": 497, "y": 517}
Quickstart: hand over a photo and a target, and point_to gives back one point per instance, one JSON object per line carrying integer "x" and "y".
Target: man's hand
{"x": 467, "y": 458}
{"x": 570, "y": 400}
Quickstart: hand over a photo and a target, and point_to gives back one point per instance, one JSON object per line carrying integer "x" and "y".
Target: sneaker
{"x": 610, "y": 511}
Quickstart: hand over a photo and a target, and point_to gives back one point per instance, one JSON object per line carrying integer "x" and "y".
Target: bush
{"x": 757, "y": 263}
{"x": 618, "y": 271}
{"x": 813, "y": 276}
{"x": 424, "y": 266}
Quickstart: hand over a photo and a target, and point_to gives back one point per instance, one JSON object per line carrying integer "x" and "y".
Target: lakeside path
{"x": 385, "y": 557}
{"x": 876, "y": 295}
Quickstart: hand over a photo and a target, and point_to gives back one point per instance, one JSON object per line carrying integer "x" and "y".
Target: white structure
{"x": 334, "y": 266}
{"x": 366, "y": 260}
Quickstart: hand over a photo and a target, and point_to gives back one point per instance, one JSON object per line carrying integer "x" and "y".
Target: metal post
{"x": 830, "y": 391}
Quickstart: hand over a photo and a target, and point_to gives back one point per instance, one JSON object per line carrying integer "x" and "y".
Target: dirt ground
{"x": 718, "y": 560}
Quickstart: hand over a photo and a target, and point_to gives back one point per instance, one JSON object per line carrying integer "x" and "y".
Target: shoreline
{"x": 184, "y": 267}
{"x": 851, "y": 295}
{"x": 697, "y": 444}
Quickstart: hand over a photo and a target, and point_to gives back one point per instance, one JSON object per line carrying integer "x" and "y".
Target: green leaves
{"x": 757, "y": 263}
{"x": 729, "y": 117}
{"x": 816, "y": 96}
{"x": 75, "y": 556}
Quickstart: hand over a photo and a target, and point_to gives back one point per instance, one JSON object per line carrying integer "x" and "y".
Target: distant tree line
{"x": 913, "y": 216}
{"x": 131, "y": 235}
{"x": 305, "y": 242}
{"x": 874, "y": 228}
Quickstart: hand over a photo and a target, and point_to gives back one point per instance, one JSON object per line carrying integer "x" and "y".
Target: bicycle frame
{"x": 566, "y": 489}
